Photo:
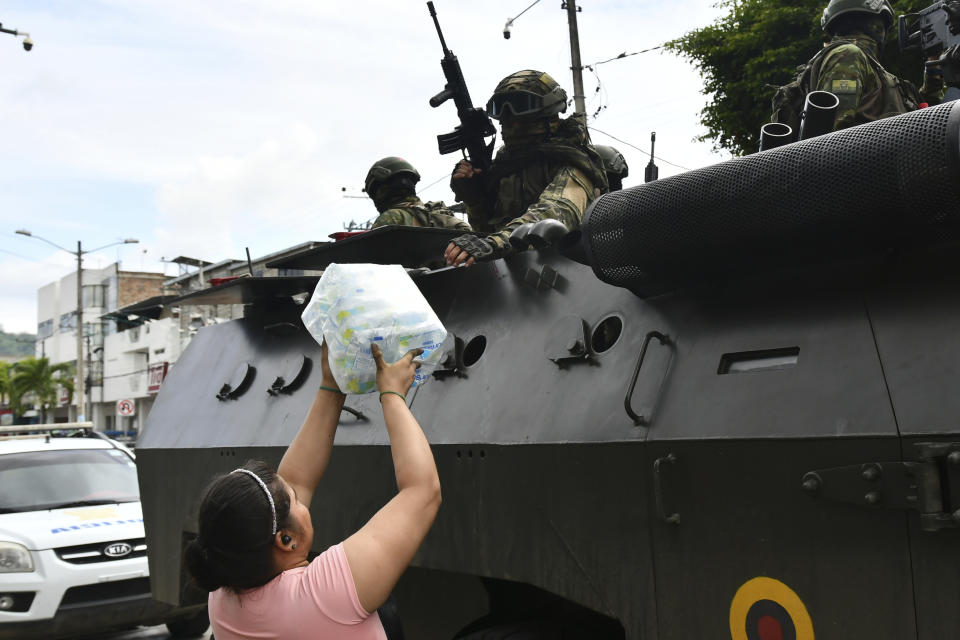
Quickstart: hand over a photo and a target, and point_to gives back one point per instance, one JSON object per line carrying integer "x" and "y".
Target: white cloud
{"x": 21, "y": 279}
{"x": 245, "y": 118}
{"x": 228, "y": 199}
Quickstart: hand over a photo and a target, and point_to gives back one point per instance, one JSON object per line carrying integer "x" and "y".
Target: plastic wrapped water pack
{"x": 357, "y": 304}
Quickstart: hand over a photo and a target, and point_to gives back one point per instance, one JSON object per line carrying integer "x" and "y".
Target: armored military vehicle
{"x": 724, "y": 408}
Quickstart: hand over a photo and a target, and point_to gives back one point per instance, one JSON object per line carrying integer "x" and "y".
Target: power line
{"x": 623, "y": 55}
{"x": 446, "y": 175}
{"x": 660, "y": 158}
{"x": 23, "y": 257}
{"x": 600, "y": 92}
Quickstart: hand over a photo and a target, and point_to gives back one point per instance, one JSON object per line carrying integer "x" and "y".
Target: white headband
{"x": 263, "y": 485}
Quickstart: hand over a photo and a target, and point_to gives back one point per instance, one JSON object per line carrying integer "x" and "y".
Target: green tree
{"x": 4, "y": 382}
{"x": 755, "y": 48}
{"x": 37, "y": 377}
{"x": 17, "y": 344}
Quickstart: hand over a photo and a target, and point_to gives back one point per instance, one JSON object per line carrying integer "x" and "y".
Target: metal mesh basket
{"x": 860, "y": 189}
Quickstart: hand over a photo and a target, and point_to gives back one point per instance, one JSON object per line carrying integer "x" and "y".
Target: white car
{"x": 73, "y": 556}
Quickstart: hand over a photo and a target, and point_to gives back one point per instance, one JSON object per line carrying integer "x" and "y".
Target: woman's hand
{"x": 396, "y": 377}
{"x": 327, "y": 379}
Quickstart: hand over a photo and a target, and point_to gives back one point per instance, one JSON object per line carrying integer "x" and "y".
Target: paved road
{"x": 146, "y": 633}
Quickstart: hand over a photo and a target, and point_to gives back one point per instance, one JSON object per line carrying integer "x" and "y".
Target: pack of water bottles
{"x": 355, "y": 305}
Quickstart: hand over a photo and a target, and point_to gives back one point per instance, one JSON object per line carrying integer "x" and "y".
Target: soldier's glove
{"x": 466, "y": 189}
{"x": 481, "y": 249}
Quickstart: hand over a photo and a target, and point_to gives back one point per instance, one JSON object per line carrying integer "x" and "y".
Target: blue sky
{"x": 204, "y": 127}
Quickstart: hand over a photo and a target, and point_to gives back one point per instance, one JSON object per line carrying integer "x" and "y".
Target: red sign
{"x": 156, "y": 373}
{"x": 126, "y": 407}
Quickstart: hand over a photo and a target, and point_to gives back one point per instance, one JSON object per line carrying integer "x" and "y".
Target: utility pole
{"x": 81, "y": 379}
{"x": 579, "y": 102}
{"x": 81, "y": 398}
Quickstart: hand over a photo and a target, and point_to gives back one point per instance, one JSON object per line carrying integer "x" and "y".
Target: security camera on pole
{"x": 79, "y": 253}
{"x": 27, "y": 42}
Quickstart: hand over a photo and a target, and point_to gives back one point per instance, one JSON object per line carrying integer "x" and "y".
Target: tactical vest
{"x": 896, "y": 95}
{"x": 519, "y": 175}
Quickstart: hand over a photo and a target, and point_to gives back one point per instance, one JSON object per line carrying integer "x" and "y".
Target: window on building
{"x": 109, "y": 421}
{"x": 93, "y": 296}
{"x": 45, "y": 329}
{"x": 68, "y": 322}
{"x": 290, "y": 272}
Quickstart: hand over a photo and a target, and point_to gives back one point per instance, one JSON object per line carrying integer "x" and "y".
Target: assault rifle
{"x": 475, "y": 124}
{"x": 936, "y": 31}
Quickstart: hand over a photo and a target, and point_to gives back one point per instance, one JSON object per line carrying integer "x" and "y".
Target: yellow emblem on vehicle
{"x": 767, "y": 609}
{"x": 94, "y": 513}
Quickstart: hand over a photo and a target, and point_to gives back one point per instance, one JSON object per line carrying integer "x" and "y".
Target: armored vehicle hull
{"x": 762, "y": 446}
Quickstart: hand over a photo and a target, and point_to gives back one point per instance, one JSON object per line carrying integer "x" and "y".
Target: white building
{"x": 103, "y": 289}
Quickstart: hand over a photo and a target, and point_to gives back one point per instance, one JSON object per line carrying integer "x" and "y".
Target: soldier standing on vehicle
{"x": 614, "y": 164}
{"x": 546, "y": 168}
{"x": 391, "y": 183}
{"x": 849, "y": 67}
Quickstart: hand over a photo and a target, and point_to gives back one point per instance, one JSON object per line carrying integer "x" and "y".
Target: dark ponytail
{"x": 234, "y": 548}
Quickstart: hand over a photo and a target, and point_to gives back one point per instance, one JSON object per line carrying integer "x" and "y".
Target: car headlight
{"x": 15, "y": 558}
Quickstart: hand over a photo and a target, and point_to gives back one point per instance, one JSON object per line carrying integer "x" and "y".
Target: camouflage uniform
{"x": 557, "y": 178}
{"x": 412, "y": 212}
{"x": 849, "y": 68}
{"x": 546, "y": 169}
{"x": 391, "y": 184}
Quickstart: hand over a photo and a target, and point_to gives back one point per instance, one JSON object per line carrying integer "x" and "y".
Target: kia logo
{"x": 117, "y": 550}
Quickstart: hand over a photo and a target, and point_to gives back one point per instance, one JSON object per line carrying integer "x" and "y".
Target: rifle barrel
{"x": 436, "y": 23}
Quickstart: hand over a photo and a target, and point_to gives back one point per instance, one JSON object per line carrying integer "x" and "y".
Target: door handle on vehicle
{"x": 638, "y": 419}
{"x": 673, "y": 518}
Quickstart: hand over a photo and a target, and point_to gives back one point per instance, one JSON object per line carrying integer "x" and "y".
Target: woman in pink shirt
{"x": 255, "y": 530}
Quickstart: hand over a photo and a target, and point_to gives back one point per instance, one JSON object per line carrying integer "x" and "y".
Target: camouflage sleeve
{"x": 447, "y": 221}
{"x": 396, "y": 216}
{"x": 565, "y": 199}
{"x": 847, "y": 73}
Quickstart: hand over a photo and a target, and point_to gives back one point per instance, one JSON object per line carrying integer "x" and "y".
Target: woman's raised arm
{"x": 380, "y": 551}
{"x": 306, "y": 458}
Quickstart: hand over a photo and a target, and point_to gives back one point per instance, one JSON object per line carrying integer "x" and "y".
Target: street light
{"x": 79, "y": 253}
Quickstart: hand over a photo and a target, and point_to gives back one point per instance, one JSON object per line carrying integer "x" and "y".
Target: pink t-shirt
{"x": 309, "y": 603}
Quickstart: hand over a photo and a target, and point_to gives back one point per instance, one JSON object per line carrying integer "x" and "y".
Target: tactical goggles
{"x": 521, "y": 103}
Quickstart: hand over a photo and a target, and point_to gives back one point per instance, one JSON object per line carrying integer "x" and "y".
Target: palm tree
{"x": 38, "y": 377}
{"x": 4, "y": 382}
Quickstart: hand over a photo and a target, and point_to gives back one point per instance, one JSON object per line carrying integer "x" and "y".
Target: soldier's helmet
{"x": 386, "y": 168}
{"x": 838, "y": 8}
{"x": 613, "y": 161}
{"x": 527, "y": 93}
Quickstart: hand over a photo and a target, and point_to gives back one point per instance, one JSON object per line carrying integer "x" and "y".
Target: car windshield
{"x": 55, "y": 479}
